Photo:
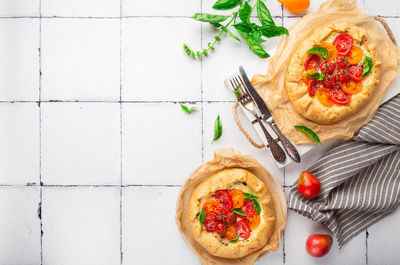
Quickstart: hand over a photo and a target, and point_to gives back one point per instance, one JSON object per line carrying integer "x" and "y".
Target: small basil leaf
{"x": 244, "y": 12}
{"x": 202, "y": 216}
{"x": 257, "y": 206}
{"x": 239, "y": 212}
{"x": 234, "y": 240}
{"x": 209, "y": 17}
{"x": 270, "y": 31}
{"x": 263, "y": 14}
{"x": 216, "y": 24}
{"x": 187, "y": 109}
{"x": 256, "y": 48}
{"x": 321, "y": 76}
{"x": 243, "y": 27}
{"x": 315, "y": 75}
{"x": 225, "y": 4}
{"x": 250, "y": 196}
{"x": 309, "y": 132}
{"x": 232, "y": 35}
{"x": 320, "y": 51}
{"x": 217, "y": 129}
{"x": 367, "y": 66}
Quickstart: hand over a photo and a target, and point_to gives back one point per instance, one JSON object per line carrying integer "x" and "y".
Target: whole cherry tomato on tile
{"x": 318, "y": 245}
{"x": 308, "y": 185}
{"x": 296, "y": 5}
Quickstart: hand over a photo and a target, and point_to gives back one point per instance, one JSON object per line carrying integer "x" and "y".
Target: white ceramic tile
{"x": 81, "y": 143}
{"x": 81, "y": 226}
{"x": 19, "y": 64}
{"x": 149, "y": 232}
{"x": 80, "y": 59}
{"x": 161, "y": 144}
{"x": 232, "y": 137}
{"x": 19, "y": 143}
{"x": 81, "y": 8}
{"x": 160, "y": 8}
{"x": 314, "y": 5}
{"x": 274, "y": 7}
{"x": 19, "y": 8}
{"x": 394, "y": 24}
{"x": 383, "y": 240}
{"x": 154, "y": 65}
{"x": 229, "y": 54}
{"x": 19, "y": 225}
{"x": 382, "y": 8}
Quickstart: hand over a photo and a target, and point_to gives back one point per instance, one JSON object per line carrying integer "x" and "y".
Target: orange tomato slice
{"x": 211, "y": 205}
{"x": 307, "y": 79}
{"x": 355, "y": 55}
{"x": 254, "y": 221}
{"x": 331, "y": 49}
{"x": 230, "y": 233}
{"x": 322, "y": 96}
{"x": 237, "y": 198}
{"x": 352, "y": 87}
{"x": 296, "y": 5}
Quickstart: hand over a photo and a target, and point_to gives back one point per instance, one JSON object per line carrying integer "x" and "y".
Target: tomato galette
{"x": 332, "y": 74}
{"x": 231, "y": 213}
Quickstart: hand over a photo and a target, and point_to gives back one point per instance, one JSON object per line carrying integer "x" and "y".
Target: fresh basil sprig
{"x": 252, "y": 33}
{"x": 367, "y": 66}
{"x": 234, "y": 240}
{"x": 250, "y": 196}
{"x": 217, "y": 129}
{"x": 257, "y": 206}
{"x": 239, "y": 212}
{"x": 317, "y": 75}
{"x": 187, "y": 109}
{"x": 320, "y": 51}
{"x": 202, "y": 216}
{"x": 309, "y": 132}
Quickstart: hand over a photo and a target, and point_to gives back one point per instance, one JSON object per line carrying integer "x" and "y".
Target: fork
{"x": 246, "y": 102}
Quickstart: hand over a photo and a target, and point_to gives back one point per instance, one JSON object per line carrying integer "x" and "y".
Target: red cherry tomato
{"x": 308, "y": 185}
{"x": 312, "y": 62}
{"x": 329, "y": 68}
{"x": 214, "y": 227}
{"x": 355, "y": 72}
{"x": 313, "y": 87}
{"x": 342, "y": 76}
{"x": 229, "y": 218}
{"x": 318, "y": 245}
{"x": 329, "y": 81}
{"x": 338, "y": 96}
{"x": 213, "y": 216}
{"x": 243, "y": 229}
{"x": 343, "y": 43}
{"x": 224, "y": 199}
{"x": 341, "y": 63}
{"x": 248, "y": 208}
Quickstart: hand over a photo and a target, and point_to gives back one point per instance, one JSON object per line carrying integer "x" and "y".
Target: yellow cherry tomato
{"x": 307, "y": 79}
{"x": 331, "y": 49}
{"x": 296, "y": 6}
{"x": 322, "y": 96}
{"x": 230, "y": 233}
{"x": 237, "y": 198}
{"x": 352, "y": 87}
{"x": 355, "y": 55}
{"x": 254, "y": 221}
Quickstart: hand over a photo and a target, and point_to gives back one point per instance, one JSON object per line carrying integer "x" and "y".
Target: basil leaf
{"x": 244, "y": 12}
{"x": 217, "y": 129}
{"x": 250, "y": 196}
{"x": 202, "y": 216}
{"x": 243, "y": 27}
{"x": 225, "y": 4}
{"x": 232, "y": 35}
{"x": 203, "y": 17}
{"x": 270, "y": 31}
{"x": 256, "y": 48}
{"x": 186, "y": 108}
{"x": 309, "y": 132}
{"x": 234, "y": 240}
{"x": 367, "y": 66}
{"x": 315, "y": 75}
{"x": 239, "y": 212}
{"x": 321, "y": 76}
{"x": 257, "y": 206}
{"x": 216, "y": 24}
{"x": 256, "y": 34}
{"x": 320, "y": 51}
{"x": 263, "y": 14}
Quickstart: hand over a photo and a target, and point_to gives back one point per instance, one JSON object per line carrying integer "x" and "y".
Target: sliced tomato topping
{"x": 329, "y": 68}
{"x": 248, "y": 208}
{"x": 224, "y": 199}
{"x": 307, "y": 79}
{"x": 254, "y": 221}
{"x": 211, "y": 205}
{"x": 229, "y": 218}
{"x": 243, "y": 229}
{"x": 341, "y": 63}
{"x": 312, "y": 62}
{"x": 338, "y": 96}
{"x": 329, "y": 81}
{"x": 322, "y": 96}
{"x": 230, "y": 233}
{"x": 331, "y": 49}
{"x": 342, "y": 76}
{"x": 213, "y": 216}
{"x": 355, "y": 55}
{"x": 355, "y": 72}
{"x": 343, "y": 43}
{"x": 237, "y": 198}
{"x": 352, "y": 87}
{"x": 313, "y": 87}
{"x": 214, "y": 227}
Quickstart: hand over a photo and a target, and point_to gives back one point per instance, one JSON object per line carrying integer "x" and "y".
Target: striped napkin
{"x": 360, "y": 178}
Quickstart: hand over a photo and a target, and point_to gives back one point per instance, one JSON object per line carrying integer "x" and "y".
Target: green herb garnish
{"x": 317, "y": 75}
{"x": 250, "y": 196}
{"x": 367, "y": 66}
{"x": 309, "y": 132}
{"x": 252, "y": 32}
{"x": 257, "y": 206}
{"x": 234, "y": 240}
{"x": 202, "y": 216}
{"x": 187, "y": 109}
{"x": 320, "y": 51}
{"x": 217, "y": 129}
{"x": 239, "y": 212}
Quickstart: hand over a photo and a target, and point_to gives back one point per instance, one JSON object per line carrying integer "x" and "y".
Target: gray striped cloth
{"x": 360, "y": 178}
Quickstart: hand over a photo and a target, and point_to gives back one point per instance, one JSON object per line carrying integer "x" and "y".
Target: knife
{"x": 267, "y": 116}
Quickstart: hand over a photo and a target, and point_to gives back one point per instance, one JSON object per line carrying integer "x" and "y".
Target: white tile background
{"x": 94, "y": 146}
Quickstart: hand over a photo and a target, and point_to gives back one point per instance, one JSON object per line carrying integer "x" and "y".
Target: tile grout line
{"x": 284, "y": 178}
{"x": 121, "y": 17}
{"x": 40, "y": 214}
{"x": 120, "y": 128}
{"x": 201, "y": 88}
{"x": 117, "y": 101}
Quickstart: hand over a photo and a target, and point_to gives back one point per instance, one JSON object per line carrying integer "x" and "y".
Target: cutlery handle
{"x": 276, "y": 149}
{"x": 287, "y": 145}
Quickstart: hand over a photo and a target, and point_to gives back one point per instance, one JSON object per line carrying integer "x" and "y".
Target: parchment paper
{"x": 228, "y": 158}
{"x": 271, "y": 86}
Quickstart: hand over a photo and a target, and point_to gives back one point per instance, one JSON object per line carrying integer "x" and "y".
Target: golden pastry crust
{"x": 226, "y": 179}
{"x": 310, "y": 107}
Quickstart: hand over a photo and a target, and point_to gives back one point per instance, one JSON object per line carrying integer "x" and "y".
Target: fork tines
{"x": 239, "y": 87}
